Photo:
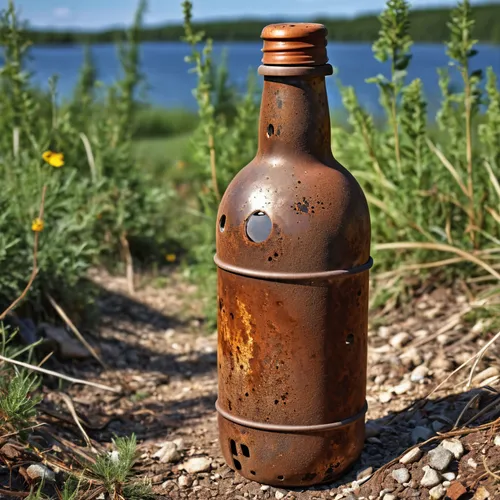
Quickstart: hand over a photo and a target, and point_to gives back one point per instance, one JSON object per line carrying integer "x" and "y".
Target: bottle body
{"x": 293, "y": 251}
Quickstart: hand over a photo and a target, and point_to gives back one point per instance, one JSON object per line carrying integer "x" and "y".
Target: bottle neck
{"x": 295, "y": 117}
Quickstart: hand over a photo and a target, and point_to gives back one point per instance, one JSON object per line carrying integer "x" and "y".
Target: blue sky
{"x": 102, "y": 13}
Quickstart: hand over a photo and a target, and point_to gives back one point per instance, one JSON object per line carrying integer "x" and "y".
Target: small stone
{"x": 455, "y": 446}
{"x": 179, "y": 442}
{"x": 168, "y": 453}
{"x": 372, "y": 430}
{"x": 388, "y": 496}
{"x": 265, "y": 487}
{"x": 472, "y": 463}
{"x": 384, "y": 332}
{"x": 39, "y": 471}
{"x": 440, "y": 458}
{"x": 431, "y": 477}
{"x": 401, "y": 475}
{"x": 364, "y": 474}
{"x": 400, "y": 339}
{"x": 481, "y": 494}
{"x": 403, "y": 388}
{"x": 411, "y": 457}
{"x": 437, "y": 426}
{"x": 497, "y": 440}
{"x": 421, "y": 434}
{"x": 384, "y": 397}
{"x": 456, "y": 491}
{"x": 279, "y": 495}
{"x": 197, "y": 464}
{"x": 419, "y": 373}
{"x": 185, "y": 481}
{"x": 437, "y": 492}
{"x": 449, "y": 476}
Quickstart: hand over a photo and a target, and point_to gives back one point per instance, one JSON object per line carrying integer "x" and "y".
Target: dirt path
{"x": 155, "y": 349}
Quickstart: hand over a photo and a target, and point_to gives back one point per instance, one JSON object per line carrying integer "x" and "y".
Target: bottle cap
{"x": 295, "y": 44}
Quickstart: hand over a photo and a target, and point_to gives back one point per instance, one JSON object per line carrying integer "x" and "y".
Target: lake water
{"x": 170, "y": 83}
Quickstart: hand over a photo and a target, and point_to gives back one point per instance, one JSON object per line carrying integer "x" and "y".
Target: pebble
{"x": 438, "y": 426}
{"x": 279, "y": 495}
{"x": 401, "y": 475}
{"x": 39, "y": 471}
{"x": 384, "y": 397}
{"x": 472, "y": 463}
{"x": 403, "y": 388}
{"x": 168, "y": 453}
{"x": 197, "y": 464}
{"x": 372, "y": 430}
{"x": 185, "y": 481}
{"x": 437, "y": 492}
{"x": 431, "y": 477}
{"x": 265, "y": 487}
{"x": 497, "y": 440}
{"x": 440, "y": 458}
{"x": 481, "y": 494}
{"x": 388, "y": 496}
{"x": 400, "y": 339}
{"x": 421, "y": 434}
{"x": 449, "y": 476}
{"x": 411, "y": 457}
{"x": 419, "y": 373}
{"x": 455, "y": 446}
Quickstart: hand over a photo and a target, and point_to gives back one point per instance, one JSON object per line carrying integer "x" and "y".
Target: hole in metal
{"x": 276, "y": 401}
{"x": 234, "y": 451}
{"x": 252, "y": 472}
{"x": 222, "y": 223}
{"x": 281, "y": 478}
{"x": 350, "y": 339}
{"x": 237, "y": 464}
{"x": 259, "y": 227}
{"x": 245, "y": 450}
{"x": 270, "y": 130}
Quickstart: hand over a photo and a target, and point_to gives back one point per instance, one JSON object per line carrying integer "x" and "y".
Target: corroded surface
{"x": 293, "y": 352}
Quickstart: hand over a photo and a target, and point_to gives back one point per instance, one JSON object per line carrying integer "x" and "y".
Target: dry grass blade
{"x": 72, "y": 411}
{"x": 73, "y": 328}
{"x": 493, "y": 178}
{"x": 439, "y": 247}
{"x": 129, "y": 263}
{"x": 463, "y": 365}
{"x": 59, "y": 375}
{"x": 447, "y": 164}
{"x": 3, "y": 436}
{"x": 489, "y": 471}
{"x": 34, "y": 272}
{"x": 90, "y": 155}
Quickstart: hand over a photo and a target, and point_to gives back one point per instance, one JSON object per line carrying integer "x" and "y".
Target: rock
{"x": 419, "y": 373}
{"x": 421, "y": 434}
{"x": 197, "y": 464}
{"x": 39, "y": 471}
{"x": 279, "y": 495}
{"x": 168, "y": 453}
{"x": 485, "y": 374}
{"x": 179, "y": 442}
{"x": 472, "y": 463}
{"x": 449, "y": 476}
{"x": 401, "y": 475}
{"x": 364, "y": 474}
{"x": 400, "y": 339}
{"x": 403, "y": 388}
{"x": 265, "y": 487}
{"x": 185, "y": 481}
{"x": 67, "y": 347}
{"x": 388, "y": 496}
{"x": 372, "y": 430}
{"x": 455, "y": 446}
{"x": 437, "y": 492}
{"x": 456, "y": 491}
{"x": 431, "y": 477}
{"x": 438, "y": 426}
{"x": 440, "y": 458}
{"x": 481, "y": 494}
{"x": 411, "y": 457}
{"x": 384, "y": 397}
{"x": 497, "y": 440}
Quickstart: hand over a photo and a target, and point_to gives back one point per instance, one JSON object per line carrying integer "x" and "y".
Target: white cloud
{"x": 61, "y": 12}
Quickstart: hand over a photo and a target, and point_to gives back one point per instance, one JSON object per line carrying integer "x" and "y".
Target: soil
{"x": 157, "y": 351}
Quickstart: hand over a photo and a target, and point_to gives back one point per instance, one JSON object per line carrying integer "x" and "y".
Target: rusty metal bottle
{"x": 293, "y": 257}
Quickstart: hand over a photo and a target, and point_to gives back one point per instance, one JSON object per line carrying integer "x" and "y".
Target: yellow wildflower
{"x": 171, "y": 257}
{"x": 37, "y": 225}
{"x": 54, "y": 159}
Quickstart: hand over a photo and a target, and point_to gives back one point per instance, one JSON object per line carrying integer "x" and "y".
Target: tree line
{"x": 427, "y": 25}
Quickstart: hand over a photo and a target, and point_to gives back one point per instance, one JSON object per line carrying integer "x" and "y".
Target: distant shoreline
{"x": 427, "y": 25}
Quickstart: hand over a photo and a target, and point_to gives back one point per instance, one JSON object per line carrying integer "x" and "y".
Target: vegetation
{"x": 427, "y": 25}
